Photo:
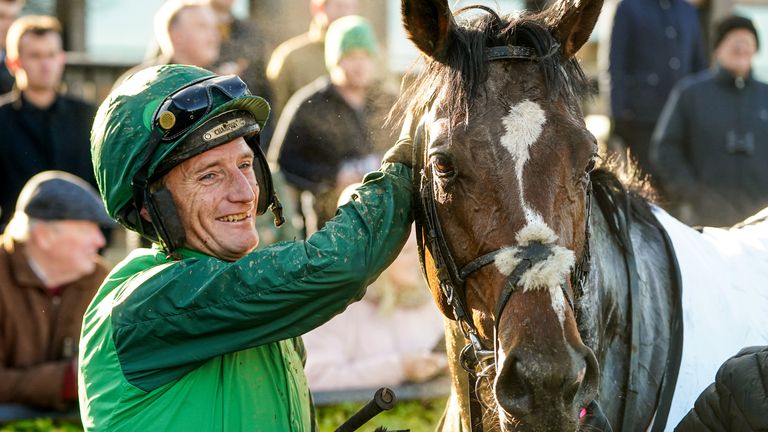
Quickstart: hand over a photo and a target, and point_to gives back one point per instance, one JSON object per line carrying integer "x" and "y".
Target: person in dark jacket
{"x": 737, "y": 400}
{"x": 41, "y": 128}
{"x": 330, "y": 133}
{"x": 709, "y": 150}
{"x": 49, "y": 271}
{"x": 654, "y": 43}
{"x": 9, "y": 11}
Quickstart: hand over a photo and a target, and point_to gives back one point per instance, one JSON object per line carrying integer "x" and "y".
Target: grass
{"x": 416, "y": 415}
{"x": 40, "y": 425}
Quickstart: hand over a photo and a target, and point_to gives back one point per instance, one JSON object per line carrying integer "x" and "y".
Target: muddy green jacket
{"x": 200, "y": 344}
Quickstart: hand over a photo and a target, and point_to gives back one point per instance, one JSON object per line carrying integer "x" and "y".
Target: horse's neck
{"x": 605, "y": 317}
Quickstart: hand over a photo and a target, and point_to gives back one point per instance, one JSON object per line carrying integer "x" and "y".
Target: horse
{"x": 561, "y": 283}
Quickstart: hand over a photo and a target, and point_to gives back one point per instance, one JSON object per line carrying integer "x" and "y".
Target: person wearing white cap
{"x": 50, "y": 269}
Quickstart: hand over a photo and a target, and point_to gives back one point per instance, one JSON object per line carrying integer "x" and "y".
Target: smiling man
{"x": 199, "y": 332}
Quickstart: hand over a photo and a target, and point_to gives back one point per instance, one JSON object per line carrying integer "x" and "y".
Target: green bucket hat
{"x": 346, "y": 34}
{"x": 126, "y": 121}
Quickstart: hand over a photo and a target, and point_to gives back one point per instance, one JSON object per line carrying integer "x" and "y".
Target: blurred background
{"x": 104, "y": 38}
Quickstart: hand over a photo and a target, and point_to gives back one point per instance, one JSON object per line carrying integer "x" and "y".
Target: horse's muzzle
{"x": 544, "y": 393}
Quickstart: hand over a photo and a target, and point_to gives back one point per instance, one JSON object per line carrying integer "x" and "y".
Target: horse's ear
{"x": 429, "y": 25}
{"x": 572, "y": 21}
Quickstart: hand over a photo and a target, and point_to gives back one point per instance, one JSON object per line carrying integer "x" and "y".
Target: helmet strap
{"x": 165, "y": 218}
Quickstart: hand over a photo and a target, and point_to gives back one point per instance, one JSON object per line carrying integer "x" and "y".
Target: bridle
{"x": 476, "y": 357}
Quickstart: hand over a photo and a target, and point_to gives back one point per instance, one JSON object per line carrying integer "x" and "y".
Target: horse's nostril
{"x": 569, "y": 392}
{"x": 586, "y": 390}
{"x": 512, "y": 392}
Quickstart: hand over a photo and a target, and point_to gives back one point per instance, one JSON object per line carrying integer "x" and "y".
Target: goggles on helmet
{"x": 185, "y": 107}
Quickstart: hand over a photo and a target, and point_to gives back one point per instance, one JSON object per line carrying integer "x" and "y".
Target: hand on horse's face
{"x": 402, "y": 151}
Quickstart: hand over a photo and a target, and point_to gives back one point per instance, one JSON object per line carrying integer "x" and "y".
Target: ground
{"x": 416, "y": 415}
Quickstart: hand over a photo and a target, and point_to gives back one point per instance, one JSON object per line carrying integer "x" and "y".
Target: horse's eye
{"x": 590, "y": 165}
{"x": 442, "y": 164}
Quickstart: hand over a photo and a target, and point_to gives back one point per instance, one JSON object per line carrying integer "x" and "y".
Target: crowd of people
{"x": 210, "y": 136}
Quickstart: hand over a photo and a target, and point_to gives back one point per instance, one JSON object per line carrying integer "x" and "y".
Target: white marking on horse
{"x": 549, "y": 274}
{"x": 523, "y": 125}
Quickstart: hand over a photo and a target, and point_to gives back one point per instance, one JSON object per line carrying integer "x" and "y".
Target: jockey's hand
{"x": 402, "y": 151}
{"x": 593, "y": 417}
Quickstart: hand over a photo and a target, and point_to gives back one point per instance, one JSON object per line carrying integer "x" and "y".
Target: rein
{"x": 452, "y": 278}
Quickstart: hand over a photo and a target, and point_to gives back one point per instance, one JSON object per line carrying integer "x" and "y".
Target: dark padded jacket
{"x": 737, "y": 400}
{"x": 709, "y": 148}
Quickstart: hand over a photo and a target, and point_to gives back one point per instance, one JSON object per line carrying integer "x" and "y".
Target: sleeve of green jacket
{"x": 172, "y": 317}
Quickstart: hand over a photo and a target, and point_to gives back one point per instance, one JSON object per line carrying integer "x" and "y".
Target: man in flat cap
{"x": 49, "y": 270}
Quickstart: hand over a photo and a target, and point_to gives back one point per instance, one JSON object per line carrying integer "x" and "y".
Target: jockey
{"x": 198, "y": 332}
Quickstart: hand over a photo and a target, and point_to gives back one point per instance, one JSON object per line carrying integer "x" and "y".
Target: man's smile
{"x": 237, "y": 217}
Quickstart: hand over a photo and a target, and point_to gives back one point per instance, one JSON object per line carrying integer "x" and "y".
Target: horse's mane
{"x": 463, "y": 69}
{"x": 619, "y": 201}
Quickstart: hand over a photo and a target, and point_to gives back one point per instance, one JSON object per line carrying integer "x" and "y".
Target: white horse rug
{"x": 724, "y": 298}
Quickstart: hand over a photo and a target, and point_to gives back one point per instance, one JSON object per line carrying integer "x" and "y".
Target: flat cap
{"x": 58, "y": 195}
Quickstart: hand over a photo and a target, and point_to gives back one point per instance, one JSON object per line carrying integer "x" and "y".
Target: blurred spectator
{"x": 330, "y": 133}
{"x": 243, "y": 53}
{"x": 341, "y": 354}
{"x": 709, "y": 147}
{"x": 49, "y": 271}
{"x": 242, "y": 49}
{"x": 9, "y": 11}
{"x": 737, "y": 400}
{"x": 654, "y": 43}
{"x": 187, "y": 33}
{"x": 41, "y": 129}
{"x": 300, "y": 60}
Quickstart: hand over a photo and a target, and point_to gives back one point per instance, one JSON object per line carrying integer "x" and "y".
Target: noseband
{"x": 452, "y": 279}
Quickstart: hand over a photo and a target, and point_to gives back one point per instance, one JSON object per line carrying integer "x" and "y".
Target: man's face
{"x": 216, "y": 193}
{"x": 195, "y": 36}
{"x": 9, "y": 11}
{"x": 736, "y": 50}
{"x": 40, "y": 63}
{"x": 74, "y": 245}
{"x": 355, "y": 70}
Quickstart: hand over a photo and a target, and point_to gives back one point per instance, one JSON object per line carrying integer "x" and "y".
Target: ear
{"x": 572, "y": 21}
{"x": 429, "y": 24}
{"x": 12, "y": 65}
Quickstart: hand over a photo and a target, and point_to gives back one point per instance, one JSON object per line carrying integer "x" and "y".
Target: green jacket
{"x": 203, "y": 344}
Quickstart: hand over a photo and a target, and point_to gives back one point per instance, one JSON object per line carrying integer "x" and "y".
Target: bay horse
{"x": 561, "y": 283}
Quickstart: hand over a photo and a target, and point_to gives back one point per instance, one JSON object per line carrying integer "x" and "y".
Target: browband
{"x": 510, "y": 52}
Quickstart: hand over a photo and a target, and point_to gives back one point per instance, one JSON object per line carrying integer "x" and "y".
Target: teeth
{"x": 235, "y": 217}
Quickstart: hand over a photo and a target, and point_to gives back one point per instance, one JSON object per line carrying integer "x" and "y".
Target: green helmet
{"x": 155, "y": 120}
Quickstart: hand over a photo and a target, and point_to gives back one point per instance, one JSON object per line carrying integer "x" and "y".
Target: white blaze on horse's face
{"x": 524, "y": 124}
